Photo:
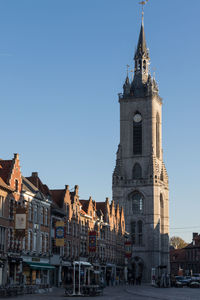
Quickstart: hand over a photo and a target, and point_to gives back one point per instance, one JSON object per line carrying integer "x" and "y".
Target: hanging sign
{"x": 92, "y": 241}
{"x": 128, "y": 249}
{"x": 60, "y": 233}
{"x": 20, "y": 221}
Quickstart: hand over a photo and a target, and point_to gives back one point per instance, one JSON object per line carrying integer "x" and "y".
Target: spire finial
{"x": 143, "y": 3}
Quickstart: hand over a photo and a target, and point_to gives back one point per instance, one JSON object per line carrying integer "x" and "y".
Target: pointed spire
{"x": 141, "y": 47}
{"x": 127, "y": 86}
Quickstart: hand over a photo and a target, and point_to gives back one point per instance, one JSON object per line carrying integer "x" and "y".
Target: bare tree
{"x": 177, "y": 242}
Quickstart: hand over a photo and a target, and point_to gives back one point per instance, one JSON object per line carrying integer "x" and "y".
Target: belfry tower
{"x": 140, "y": 180}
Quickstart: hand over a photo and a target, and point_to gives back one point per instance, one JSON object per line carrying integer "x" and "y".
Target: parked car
{"x": 196, "y": 277}
{"x": 182, "y": 281}
{"x": 194, "y": 284}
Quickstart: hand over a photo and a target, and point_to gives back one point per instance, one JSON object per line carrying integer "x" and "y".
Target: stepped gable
{"x": 36, "y": 181}
{"x": 10, "y": 175}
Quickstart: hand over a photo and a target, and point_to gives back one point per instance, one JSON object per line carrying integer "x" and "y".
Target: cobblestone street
{"x": 133, "y": 292}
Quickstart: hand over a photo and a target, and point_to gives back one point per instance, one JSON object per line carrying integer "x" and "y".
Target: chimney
{"x": 34, "y": 174}
{"x": 16, "y": 156}
{"x": 195, "y": 234}
{"x": 76, "y": 190}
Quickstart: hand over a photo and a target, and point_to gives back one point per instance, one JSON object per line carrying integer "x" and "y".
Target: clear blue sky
{"x": 62, "y": 63}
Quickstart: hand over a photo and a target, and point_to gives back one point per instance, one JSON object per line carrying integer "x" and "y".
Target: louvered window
{"x": 137, "y": 138}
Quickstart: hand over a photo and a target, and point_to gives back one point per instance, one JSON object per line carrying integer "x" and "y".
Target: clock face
{"x": 137, "y": 118}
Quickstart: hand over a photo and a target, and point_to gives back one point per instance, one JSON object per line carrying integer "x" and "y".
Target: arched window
{"x": 140, "y": 232}
{"x": 41, "y": 242}
{"x": 42, "y": 215}
{"x": 137, "y": 233}
{"x": 46, "y": 216}
{"x": 137, "y": 171}
{"x": 161, "y": 213}
{"x": 137, "y": 203}
{"x": 137, "y": 134}
{"x": 34, "y": 241}
{"x": 29, "y": 241}
{"x": 157, "y": 135}
{"x": 30, "y": 212}
{"x": 35, "y": 215}
{"x": 133, "y": 232}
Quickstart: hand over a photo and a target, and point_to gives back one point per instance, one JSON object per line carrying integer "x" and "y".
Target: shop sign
{"x": 92, "y": 241}
{"x": 128, "y": 249}
{"x": 35, "y": 259}
{"x": 59, "y": 233}
{"x": 20, "y": 222}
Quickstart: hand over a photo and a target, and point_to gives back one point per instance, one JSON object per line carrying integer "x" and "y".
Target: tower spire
{"x": 141, "y": 47}
{"x": 141, "y": 57}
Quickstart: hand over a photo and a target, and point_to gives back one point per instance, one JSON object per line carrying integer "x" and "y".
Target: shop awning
{"x": 66, "y": 264}
{"x": 39, "y": 266}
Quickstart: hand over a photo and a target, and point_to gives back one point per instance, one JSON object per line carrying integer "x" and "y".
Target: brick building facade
{"x": 186, "y": 260}
{"x": 33, "y": 258}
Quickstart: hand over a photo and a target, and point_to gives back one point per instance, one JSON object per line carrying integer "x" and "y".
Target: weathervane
{"x": 143, "y": 3}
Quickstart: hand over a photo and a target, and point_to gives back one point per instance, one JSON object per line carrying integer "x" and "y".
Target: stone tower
{"x": 140, "y": 180}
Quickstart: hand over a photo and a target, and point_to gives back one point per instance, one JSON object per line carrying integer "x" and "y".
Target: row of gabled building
{"x": 93, "y": 232}
{"x": 186, "y": 261}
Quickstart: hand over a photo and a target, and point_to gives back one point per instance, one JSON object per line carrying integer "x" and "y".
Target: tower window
{"x": 133, "y": 232}
{"x": 157, "y": 136}
{"x": 137, "y": 233}
{"x": 139, "y": 65}
{"x": 137, "y": 134}
{"x": 137, "y": 171}
{"x": 144, "y": 65}
{"x": 137, "y": 203}
{"x": 140, "y": 232}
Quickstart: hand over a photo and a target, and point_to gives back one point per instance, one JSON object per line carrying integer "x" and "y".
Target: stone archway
{"x": 137, "y": 265}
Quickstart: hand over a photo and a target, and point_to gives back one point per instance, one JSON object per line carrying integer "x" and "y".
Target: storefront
{"x": 14, "y": 270}
{"x": 67, "y": 273}
{"x": 37, "y": 273}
